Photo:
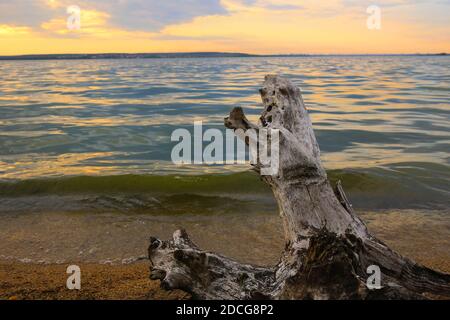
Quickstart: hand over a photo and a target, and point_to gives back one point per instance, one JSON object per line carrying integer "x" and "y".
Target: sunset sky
{"x": 251, "y": 26}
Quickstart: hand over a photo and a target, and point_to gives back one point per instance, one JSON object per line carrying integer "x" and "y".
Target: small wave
{"x": 401, "y": 185}
{"x": 243, "y": 182}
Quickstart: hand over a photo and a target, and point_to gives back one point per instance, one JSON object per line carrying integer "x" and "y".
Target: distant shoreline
{"x": 184, "y": 55}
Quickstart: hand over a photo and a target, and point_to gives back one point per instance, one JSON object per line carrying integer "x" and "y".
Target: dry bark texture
{"x": 328, "y": 247}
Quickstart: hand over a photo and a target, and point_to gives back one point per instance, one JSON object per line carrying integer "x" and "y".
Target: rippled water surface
{"x": 383, "y": 124}
{"x": 85, "y": 170}
{"x": 116, "y": 116}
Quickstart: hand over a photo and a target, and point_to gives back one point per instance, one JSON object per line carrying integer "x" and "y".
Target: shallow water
{"x": 248, "y": 237}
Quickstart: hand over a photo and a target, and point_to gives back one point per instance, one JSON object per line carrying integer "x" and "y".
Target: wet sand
{"x": 421, "y": 236}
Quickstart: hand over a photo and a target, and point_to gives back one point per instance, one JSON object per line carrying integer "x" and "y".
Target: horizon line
{"x": 205, "y": 54}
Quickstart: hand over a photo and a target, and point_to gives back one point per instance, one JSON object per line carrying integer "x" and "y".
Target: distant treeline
{"x": 124, "y": 56}
{"x": 176, "y": 55}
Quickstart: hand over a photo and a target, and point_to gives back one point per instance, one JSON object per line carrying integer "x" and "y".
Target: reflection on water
{"x": 367, "y": 111}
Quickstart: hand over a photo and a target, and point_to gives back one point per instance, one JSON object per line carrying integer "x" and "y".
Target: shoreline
{"x": 419, "y": 235}
{"x": 22, "y": 281}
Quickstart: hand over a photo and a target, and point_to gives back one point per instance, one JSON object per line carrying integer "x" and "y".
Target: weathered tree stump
{"x": 328, "y": 247}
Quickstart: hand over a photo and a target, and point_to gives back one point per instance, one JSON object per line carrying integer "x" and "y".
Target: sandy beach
{"x": 48, "y": 282}
{"x": 421, "y": 237}
{"x": 19, "y": 281}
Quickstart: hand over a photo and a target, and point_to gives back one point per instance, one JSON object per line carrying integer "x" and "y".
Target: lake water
{"x": 92, "y": 137}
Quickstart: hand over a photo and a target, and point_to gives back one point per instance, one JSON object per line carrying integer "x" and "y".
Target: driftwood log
{"x": 328, "y": 248}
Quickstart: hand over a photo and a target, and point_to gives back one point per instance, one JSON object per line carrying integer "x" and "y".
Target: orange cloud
{"x": 92, "y": 23}
{"x": 53, "y": 3}
{"x": 13, "y": 31}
